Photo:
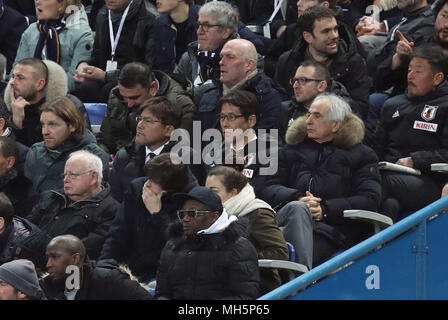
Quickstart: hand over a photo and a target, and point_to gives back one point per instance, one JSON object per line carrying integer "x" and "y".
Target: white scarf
{"x": 220, "y": 224}
{"x": 245, "y": 202}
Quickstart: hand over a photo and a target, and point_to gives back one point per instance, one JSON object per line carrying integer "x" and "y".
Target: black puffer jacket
{"x": 88, "y": 219}
{"x": 344, "y": 173}
{"x": 15, "y": 232}
{"x": 210, "y": 266}
{"x": 136, "y": 40}
{"x": 99, "y": 282}
{"x": 136, "y": 236}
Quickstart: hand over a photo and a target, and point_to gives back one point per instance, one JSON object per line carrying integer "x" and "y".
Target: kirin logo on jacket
{"x": 429, "y": 112}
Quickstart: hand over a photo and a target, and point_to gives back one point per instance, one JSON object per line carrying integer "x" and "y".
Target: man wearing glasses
{"x": 84, "y": 208}
{"x": 137, "y": 83}
{"x": 244, "y": 148}
{"x": 208, "y": 255}
{"x": 217, "y": 23}
{"x": 238, "y": 70}
{"x": 157, "y": 121}
{"x": 322, "y": 41}
{"x": 311, "y": 79}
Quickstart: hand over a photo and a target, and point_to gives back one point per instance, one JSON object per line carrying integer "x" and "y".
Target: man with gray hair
{"x": 238, "y": 70}
{"x": 217, "y": 23}
{"x": 323, "y": 170}
{"x": 84, "y": 208}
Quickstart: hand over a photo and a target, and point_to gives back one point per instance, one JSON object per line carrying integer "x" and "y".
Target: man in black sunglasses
{"x": 208, "y": 255}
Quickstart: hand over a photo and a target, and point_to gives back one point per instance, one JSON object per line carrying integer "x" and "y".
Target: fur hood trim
{"x": 350, "y": 134}
{"x": 57, "y": 84}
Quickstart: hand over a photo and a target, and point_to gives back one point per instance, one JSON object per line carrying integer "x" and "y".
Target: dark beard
{"x": 443, "y": 44}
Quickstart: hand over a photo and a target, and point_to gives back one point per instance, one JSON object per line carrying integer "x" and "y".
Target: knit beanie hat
{"x": 21, "y": 275}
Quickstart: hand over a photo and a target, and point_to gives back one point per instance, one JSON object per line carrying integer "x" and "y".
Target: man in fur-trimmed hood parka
{"x": 324, "y": 170}
{"x": 33, "y": 83}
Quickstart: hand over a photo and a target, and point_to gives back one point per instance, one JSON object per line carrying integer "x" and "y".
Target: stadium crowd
{"x": 233, "y": 131}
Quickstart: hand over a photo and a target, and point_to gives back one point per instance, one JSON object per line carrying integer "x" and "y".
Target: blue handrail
{"x": 360, "y": 249}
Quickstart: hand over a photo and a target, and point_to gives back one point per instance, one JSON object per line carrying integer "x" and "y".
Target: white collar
{"x": 157, "y": 151}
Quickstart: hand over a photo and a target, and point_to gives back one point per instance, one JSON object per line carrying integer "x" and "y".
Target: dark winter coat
{"x": 417, "y": 27}
{"x": 343, "y": 173}
{"x": 292, "y": 109}
{"x": 129, "y": 164}
{"x": 348, "y": 67}
{"x": 293, "y": 34}
{"x": 136, "y": 42}
{"x": 99, "y": 282}
{"x": 137, "y": 237}
{"x": 20, "y": 192}
{"x": 12, "y": 25}
{"x": 165, "y": 34}
{"x": 209, "y": 266}
{"x": 87, "y": 219}
{"x": 408, "y": 128}
{"x": 257, "y": 154}
{"x": 15, "y": 232}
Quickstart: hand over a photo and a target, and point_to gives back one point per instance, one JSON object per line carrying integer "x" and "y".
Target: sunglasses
{"x": 191, "y": 213}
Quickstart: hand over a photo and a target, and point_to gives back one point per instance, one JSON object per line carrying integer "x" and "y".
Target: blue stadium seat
{"x": 96, "y": 113}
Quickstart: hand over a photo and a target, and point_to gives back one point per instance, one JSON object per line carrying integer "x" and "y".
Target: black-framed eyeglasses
{"x": 302, "y": 80}
{"x": 73, "y": 175}
{"x": 191, "y": 213}
{"x": 231, "y": 117}
{"x": 206, "y": 26}
{"x": 146, "y": 120}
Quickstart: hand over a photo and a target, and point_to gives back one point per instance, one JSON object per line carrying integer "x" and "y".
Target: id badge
{"x": 111, "y": 65}
{"x": 267, "y": 30}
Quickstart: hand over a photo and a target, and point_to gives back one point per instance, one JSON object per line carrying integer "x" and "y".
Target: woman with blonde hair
{"x": 61, "y": 34}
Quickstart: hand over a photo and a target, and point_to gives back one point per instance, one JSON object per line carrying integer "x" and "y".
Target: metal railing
{"x": 418, "y": 218}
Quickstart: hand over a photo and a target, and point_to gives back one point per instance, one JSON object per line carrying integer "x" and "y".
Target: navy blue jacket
{"x": 12, "y": 25}
{"x": 269, "y": 95}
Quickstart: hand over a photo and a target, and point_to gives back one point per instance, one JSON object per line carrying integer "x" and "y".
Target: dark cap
{"x": 203, "y": 195}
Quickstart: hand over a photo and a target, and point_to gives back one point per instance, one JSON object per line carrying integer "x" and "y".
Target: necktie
{"x": 149, "y": 156}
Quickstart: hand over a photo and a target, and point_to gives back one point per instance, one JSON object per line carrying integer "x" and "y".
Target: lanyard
{"x": 277, "y": 4}
{"x": 114, "y": 40}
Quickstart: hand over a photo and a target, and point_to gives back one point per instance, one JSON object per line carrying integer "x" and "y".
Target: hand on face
{"x": 152, "y": 197}
{"x": 18, "y": 109}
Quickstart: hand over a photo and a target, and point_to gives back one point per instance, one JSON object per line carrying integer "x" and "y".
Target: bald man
{"x": 72, "y": 277}
{"x": 238, "y": 70}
